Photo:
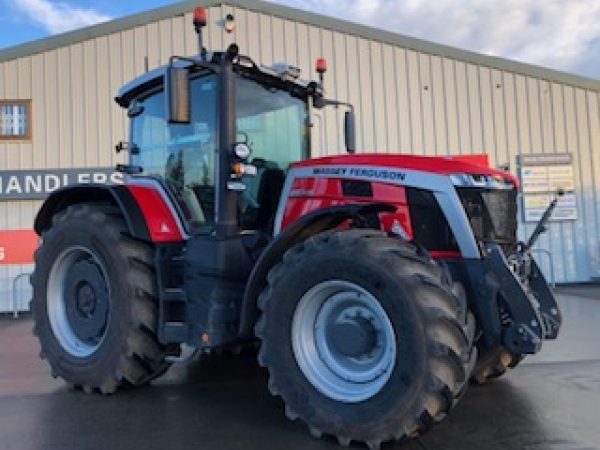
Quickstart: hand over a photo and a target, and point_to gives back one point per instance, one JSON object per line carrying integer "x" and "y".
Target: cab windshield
{"x": 183, "y": 156}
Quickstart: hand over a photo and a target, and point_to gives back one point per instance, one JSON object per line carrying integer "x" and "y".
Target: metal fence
{"x": 15, "y": 293}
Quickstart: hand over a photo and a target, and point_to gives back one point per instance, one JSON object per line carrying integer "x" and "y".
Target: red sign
{"x": 17, "y": 246}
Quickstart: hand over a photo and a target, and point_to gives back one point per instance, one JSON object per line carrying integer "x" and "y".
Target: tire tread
{"x": 142, "y": 357}
{"x": 449, "y": 332}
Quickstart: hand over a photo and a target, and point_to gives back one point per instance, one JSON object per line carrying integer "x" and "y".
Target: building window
{"x": 15, "y": 119}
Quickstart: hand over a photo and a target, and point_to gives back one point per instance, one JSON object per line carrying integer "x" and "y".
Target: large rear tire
{"x": 95, "y": 302}
{"x": 363, "y": 337}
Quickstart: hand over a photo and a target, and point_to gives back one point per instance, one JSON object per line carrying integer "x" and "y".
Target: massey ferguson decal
{"x": 364, "y": 173}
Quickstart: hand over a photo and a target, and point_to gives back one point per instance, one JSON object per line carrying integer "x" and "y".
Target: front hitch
{"x": 532, "y": 313}
{"x": 536, "y": 281}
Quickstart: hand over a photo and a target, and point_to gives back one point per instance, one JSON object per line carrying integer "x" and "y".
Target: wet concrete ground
{"x": 550, "y": 402}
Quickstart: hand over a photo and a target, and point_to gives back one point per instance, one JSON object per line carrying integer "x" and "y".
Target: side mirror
{"x": 178, "y": 95}
{"x": 350, "y": 131}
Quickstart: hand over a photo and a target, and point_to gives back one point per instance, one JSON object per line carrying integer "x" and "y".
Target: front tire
{"x": 494, "y": 363}
{"x": 363, "y": 337}
{"x": 95, "y": 302}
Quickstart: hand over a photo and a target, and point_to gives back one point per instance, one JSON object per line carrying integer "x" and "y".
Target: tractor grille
{"x": 492, "y": 214}
{"x": 429, "y": 224}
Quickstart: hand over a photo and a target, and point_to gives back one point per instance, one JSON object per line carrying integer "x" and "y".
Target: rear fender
{"x": 298, "y": 231}
{"x": 145, "y": 207}
{"x": 93, "y": 193}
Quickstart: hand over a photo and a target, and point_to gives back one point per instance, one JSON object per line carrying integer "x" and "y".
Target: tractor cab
{"x": 264, "y": 125}
{"x": 219, "y": 132}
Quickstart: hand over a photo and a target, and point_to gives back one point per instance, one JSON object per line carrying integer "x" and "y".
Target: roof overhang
{"x": 285, "y": 12}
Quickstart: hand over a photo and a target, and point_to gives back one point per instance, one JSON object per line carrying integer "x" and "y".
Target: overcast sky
{"x": 559, "y": 34}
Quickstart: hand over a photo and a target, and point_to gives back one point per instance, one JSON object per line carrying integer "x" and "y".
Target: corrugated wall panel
{"x": 464, "y": 137}
{"x": 587, "y": 141}
{"x": 413, "y": 86}
{"x": 65, "y": 99}
{"x": 406, "y": 101}
{"x": 593, "y": 159}
{"x": 178, "y": 28}
{"x": 37, "y": 146}
{"x": 561, "y": 240}
{"x": 127, "y": 57}
{"x": 547, "y": 117}
{"x": 91, "y": 118}
{"x": 104, "y": 103}
{"x": 501, "y": 153}
{"x": 165, "y": 37}
{"x": 376, "y": 89}
{"x": 304, "y": 55}
{"x": 140, "y": 50}
{"x": 314, "y": 50}
{"x": 290, "y": 42}
{"x": 247, "y": 27}
{"x": 337, "y": 65}
{"x": 50, "y": 148}
{"x": 78, "y": 106}
{"x": 488, "y": 128}
{"x": 510, "y": 131}
{"x": 117, "y": 117}
{"x": 153, "y": 45}
{"x": 399, "y": 87}
{"x": 353, "y": 81}
{"x": 427, "y": 113}
{"x": 366, "y": 118}
{"x": 11, "y": 84}
{"x": 440, "y": 118}
{"x": 391, "y": 113}
{"x": 324, "y": 48}
{"x": 451, "y": 112}
{"x": 474, "y": 94}
{"x": 571, "y": 240}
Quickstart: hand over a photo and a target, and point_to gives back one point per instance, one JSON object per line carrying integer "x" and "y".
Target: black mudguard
{"x": 304, "y": 227}
{"x": 116, "y": 195}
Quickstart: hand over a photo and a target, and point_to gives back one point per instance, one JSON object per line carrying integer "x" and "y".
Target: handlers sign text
{"x": 38, "y": 184}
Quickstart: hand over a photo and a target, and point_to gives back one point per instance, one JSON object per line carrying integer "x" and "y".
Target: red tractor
{"x": 376, "y": 285}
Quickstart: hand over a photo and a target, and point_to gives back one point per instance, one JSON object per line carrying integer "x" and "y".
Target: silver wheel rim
{"x": 60, "y": 318}
{"x": 343, "y": 341}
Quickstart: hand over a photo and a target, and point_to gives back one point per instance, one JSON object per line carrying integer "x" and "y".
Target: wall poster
{"x": 542, "y": 175}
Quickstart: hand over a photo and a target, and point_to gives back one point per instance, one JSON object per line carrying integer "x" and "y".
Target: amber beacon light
{"x": 199, "y": 17}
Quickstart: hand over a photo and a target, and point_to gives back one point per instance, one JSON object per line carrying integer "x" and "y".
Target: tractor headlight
{"x": 242, "y": 151}
{"x": 481, "y": 181}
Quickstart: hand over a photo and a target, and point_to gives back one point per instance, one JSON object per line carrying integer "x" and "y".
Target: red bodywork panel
{"x": 308, "y": 193}
{"x": 160, "y": 219}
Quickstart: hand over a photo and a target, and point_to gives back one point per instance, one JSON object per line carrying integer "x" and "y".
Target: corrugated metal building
{"x": 56, "y": 96}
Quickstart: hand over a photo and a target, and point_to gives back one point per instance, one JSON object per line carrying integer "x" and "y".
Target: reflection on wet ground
{"x": 550, "y": 402}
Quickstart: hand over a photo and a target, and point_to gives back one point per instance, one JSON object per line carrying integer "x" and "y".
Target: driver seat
{"x": 269, "y": 193}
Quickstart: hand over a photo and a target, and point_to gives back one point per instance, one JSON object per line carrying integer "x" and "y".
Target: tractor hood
{"x": 470, "y": 165}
